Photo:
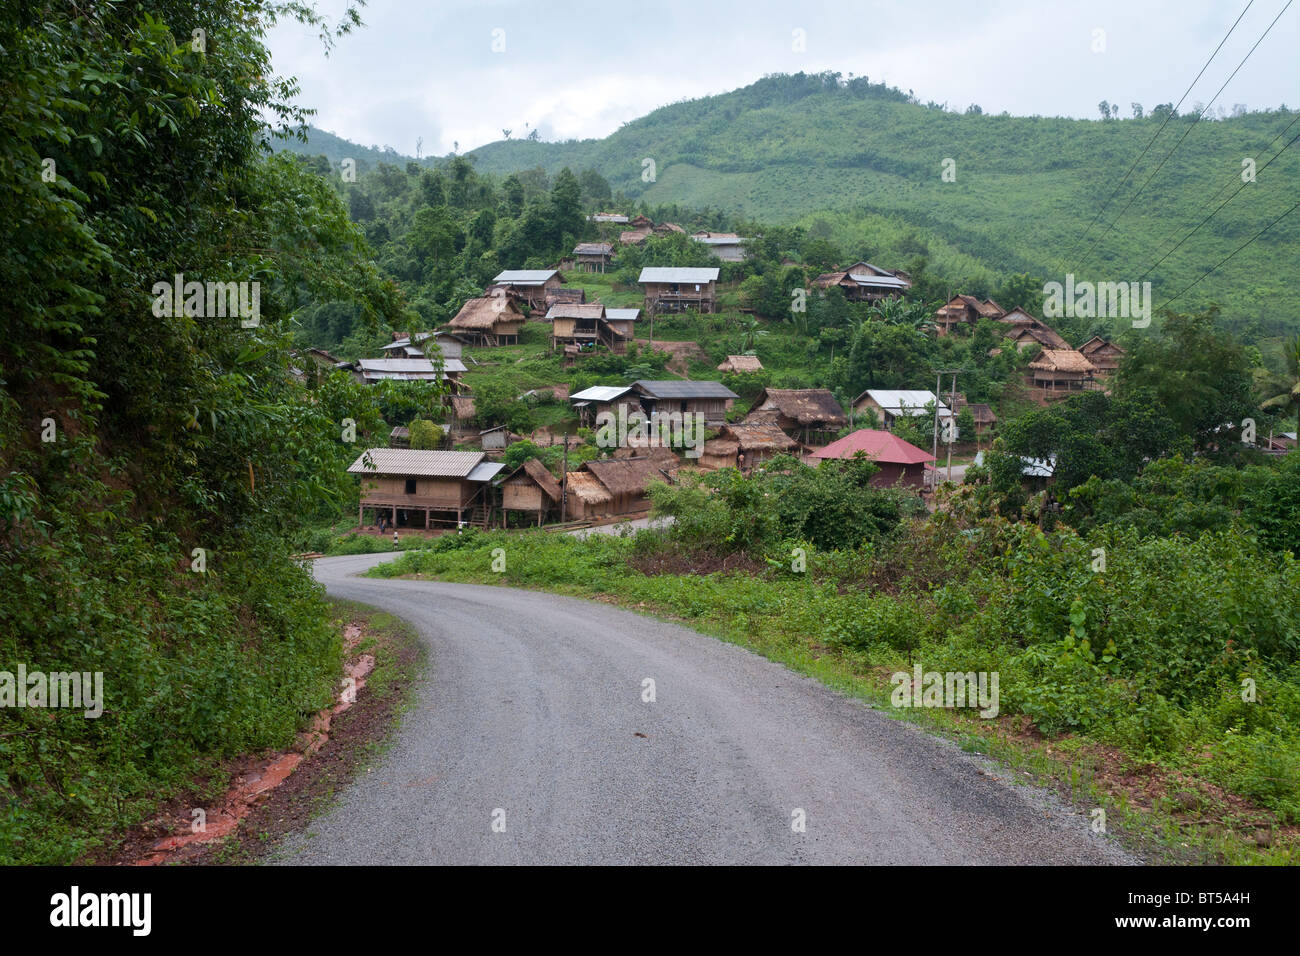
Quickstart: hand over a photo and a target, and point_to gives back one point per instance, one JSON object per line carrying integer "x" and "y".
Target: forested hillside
{"x": 862, "y": 164}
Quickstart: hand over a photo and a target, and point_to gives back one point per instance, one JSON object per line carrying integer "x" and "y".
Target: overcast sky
{"x": 462, "y": 71}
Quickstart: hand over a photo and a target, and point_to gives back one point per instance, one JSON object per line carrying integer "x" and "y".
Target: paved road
{"x": 533, "y": 706}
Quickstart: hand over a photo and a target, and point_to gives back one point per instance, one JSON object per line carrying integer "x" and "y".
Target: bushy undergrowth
{"x": 1157, "y": 654}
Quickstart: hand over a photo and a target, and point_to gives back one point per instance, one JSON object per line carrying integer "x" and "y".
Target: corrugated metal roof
{"x": 623, "y": 315}
{"x": 675, "y": 388}
{"x": 600, "y": 393}
{"x": 410, "y": 461}
{"x": 525, "y": 276}
{"x": 905, "y": 401}
{"x": 892, "y": 282}
{"x": 675, "y": 274}
{"x": 719, "y": 240}
{"x": 485, "y": 471}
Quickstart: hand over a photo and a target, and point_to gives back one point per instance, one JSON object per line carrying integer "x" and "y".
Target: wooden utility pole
{"x": 564, "y": 483}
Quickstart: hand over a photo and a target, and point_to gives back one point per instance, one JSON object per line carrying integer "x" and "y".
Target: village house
{"x": 463, "y": 414}
{"x": 711, "y": 399}
{"x": 890, "y": 404}
{"x": 420, "y": 489}
{"x": 741, "y": 363}
{"x": 627, "y": 480}
{"x": 1104, "y": 355}
{"x": 900, "y": 462}
{"x": 399, "y": 437}
{"x": 495, "y": 438}
{"x": 530, "y": 489}
{"x": 618, "y": 400}
{"x": 668, "y": 228}
{"x": 584, "y": 325}
{"x": 531, "y": 286}
{"x": 411, "y": 370}
{"x": 1024, "y": 330}
{"x": 1061, "y": 371}
{"x": 488, "y": 320}
{"x": 611, "y": 217}
{"x": 593, "y": 256}
{"x": 635, "y": 236}
{"x": 982, "y": 413}
{"x": 810, "y": 414}
{"x": 672, "y": 289}
{"x": 744, "y": 444}
{"x": 863, "y": 282}
{"x": 965, "y": 310}
{"x": 727, "y": 246}
{"x": 449, "y": 346}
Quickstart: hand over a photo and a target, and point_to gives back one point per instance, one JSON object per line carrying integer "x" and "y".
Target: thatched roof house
{"x": 1025, "y": 330}
{"x": 530, "y": 488}
{"x": 488, "y": 320}
{"x": 965, "y": 309}
{"x": 741, "y": 363}
{"x": 757, "y": 441}
{"x": 1061, "y": 370}
{"x": 593, "y": 256}
{"x": 588, "y": 498}
{"x": 807, "y": 413}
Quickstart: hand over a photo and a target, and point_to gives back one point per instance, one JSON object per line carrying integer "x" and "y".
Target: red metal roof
{"x": 877, "y": 445}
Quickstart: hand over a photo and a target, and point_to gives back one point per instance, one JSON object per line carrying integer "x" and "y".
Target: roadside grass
{"x": 358, "y": 737}
{"x": 1167, "y": 812}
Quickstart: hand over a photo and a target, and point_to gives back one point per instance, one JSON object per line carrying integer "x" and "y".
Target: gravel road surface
{"x": 529, "y": 742}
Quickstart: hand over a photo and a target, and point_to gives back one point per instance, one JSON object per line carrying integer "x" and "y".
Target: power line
{"x": 1190, "y": 127}
{"x": 1231, "y": 254}
{"x": 1220, "y": 206}
{"x": 1070, "y": 255}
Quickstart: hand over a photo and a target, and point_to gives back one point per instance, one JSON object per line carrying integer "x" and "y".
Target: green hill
{"x": 861, "y": 164}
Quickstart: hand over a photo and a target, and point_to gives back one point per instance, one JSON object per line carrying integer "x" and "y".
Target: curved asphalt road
{"x": 532, "y": 706}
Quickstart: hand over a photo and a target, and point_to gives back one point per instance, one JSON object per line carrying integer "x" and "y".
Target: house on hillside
{"x": 900, "y": 462}
{"x": 488, "y": 320}
{"x": 673, "y": 289}
{"x": 593, "y": 256}
{"x": 627, "y": 480}
{"x": 615, "y": 399}
{"x": 530, "y": 285}
{"x": 1025, "y": 329}
{"x": 463, "y": 414}
{"x": 982, "y": 413}
{"x": 420, "y": 489}
{"x": 635, "y": 237}
{"x": 744, "y": 444}
{"x": 965, "y": 310}
{"x": 531, "y": 489}
{"x": 668, "y": 228}
{"x": 1062, "y": 371}
{"x": 591, "y": 323}
{"x": 741, "y": 363}
{"x": 810, "y": 414}
{"x": 677, "y": 396}
{"x": 411, "y": 370}
{"x": 727, "y": 246}
{"x": 449, "y": 345}
{"x": 1103, "y": 354}
{"x": 890, "y": 404}
{"x": 863, "y": 282}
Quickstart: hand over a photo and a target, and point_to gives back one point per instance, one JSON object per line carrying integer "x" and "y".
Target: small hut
{"x": 488, "y": 320}
{"x": 530, "y": 488}
{"x": 741, "y": 363}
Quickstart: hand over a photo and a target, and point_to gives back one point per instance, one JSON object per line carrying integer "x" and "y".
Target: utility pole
{"x": 938, "y": 387}
{"x": 564, "y": 483}
{"x": 952, "y": 411}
